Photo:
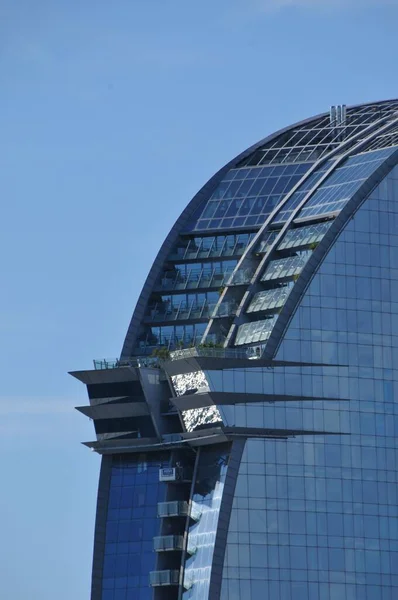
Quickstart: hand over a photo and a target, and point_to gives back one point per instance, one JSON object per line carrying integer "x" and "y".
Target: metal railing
{"x": 167, "y": 543}
{"x": 195, "y": 279}
{"x": 211, "y": 352}
{"x": 175, "y": 508}
{"x": 225, "y": 309}
{"x": 116, "y": 363}
{"x": 182, "y": 311}
{"x": 210, "y": 249}
{"x": 169, "y": 577}
{"x": 152, "y": 361}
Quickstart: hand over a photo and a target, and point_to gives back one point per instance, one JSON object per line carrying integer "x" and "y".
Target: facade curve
{"x": 248, "y": 431}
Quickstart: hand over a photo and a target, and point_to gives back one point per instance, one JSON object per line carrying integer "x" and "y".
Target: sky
{"x": 112, "y": 116}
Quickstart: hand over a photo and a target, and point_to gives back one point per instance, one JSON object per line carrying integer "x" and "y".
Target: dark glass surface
{"x": 212, "y": 471}
{"x": 343, "y": 183}
{"x": 245, "y": 197}
{"x": 316, "y": 517}
{"x": 299, "y": 196}
{"x": 132, "y": 523}
{"x": 338, "y": 188}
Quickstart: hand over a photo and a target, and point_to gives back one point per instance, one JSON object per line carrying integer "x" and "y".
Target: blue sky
{"x": 112, "y": 115}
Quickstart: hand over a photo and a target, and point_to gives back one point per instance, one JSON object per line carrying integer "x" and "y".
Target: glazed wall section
{"x": 132, "y": 524}
{"x": 206, "y": 504}
{"x": 316, "y": 517}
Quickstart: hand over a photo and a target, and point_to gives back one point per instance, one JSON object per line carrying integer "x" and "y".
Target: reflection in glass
{"x": 212, "y": 471}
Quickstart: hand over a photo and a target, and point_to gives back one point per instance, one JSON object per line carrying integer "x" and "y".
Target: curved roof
{"x": 324, "y": 144}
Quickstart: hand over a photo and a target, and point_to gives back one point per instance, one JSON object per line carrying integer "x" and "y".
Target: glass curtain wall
{"x": 317, "y": 517}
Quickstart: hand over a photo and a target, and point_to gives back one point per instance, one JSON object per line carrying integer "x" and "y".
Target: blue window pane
{"x": 128, "y": 562}
{"x": 251, "y": 192}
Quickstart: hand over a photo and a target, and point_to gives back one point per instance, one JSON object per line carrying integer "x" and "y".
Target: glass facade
{"x": 131, "y": 526}
{"x": 245, "y": 197}
{"x": 272, "y": 324}
{"x": 206, "y": 499}
{"x": 318, "y": 517}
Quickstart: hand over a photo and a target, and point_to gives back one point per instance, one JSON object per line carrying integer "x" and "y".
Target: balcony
{"x": 225, "y": 309}
{"x": 175, "y": 508}
{"x": 211, "y": 247}
{"x": 257, "y": 331}
{"x": 159, "y": 578}
{"x": 266, "y": 243}
{"x": 241, "y": 277}
{"x": 208, "y": 352}
{"x": 115, "y": 363}
{"x": 195, "y": 279}
{"x": 162, "y": 313}
{"x": 168, "y": 543}
{"x": 309, "y": 235}
{"x": 284, "y": 268}
{"x": 270, "y": 299}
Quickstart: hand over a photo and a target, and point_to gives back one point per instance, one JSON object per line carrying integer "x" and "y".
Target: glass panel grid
{"x": 303, "y": 236}
{"x": 298, "y": 196}
{"x": 265, "y": 244}
{"x": 131, "y": 525}
{"x": 207, "y": 496}
{"x": 211, "y": 247}
{"x": 285, "y": 267}
{"x": 247, "y": 201}
{"x": 314, "y": 139}
{"x": 258, "y": 331}
{"x": 269, "y": 299}
{"x": 316, "y": 517}
{"x": 342, "y": 184}
{"x": 210, "y": 275}
{"x": 241, "y": 277}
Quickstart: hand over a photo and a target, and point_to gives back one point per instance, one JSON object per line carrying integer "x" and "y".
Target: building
{"x": 248, "y": 432}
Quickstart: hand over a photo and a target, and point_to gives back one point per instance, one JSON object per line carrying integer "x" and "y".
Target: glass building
{"x": 248, "y": 431}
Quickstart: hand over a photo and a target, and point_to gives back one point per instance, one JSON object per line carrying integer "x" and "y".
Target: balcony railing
{"x": 115, "y": 363}
{"x": 150, "y": 361}
{"x": 195, "y": 279}
{"x": 175, "y": 508}
{"x": 211, "y": 248}
{"x": 172, "y": 341}
{"x": 270, "y": 299}
{"x": 265, "y": 244}
{"x": 210, "y": 352}
{"x": 160, "y": 312}
{"x": 241, "y": 277}
{"x": 169, "y": 577}
{"x": 225, "y": 309}
{"x": 283, "y": 268}
{"x": 168, "y": 543}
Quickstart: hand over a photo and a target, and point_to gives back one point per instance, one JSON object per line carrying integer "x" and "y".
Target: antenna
{"x": 338, "y": 115}
{"x": 333, "y": 116}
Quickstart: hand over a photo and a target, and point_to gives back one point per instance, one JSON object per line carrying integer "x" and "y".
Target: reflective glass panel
{"x": 245, "y": 197}
{"x": 257, "y": 331}
{"x": 131, "y": 525}
{"x": 285, "y": 267}
{"x": 270, "y": 299}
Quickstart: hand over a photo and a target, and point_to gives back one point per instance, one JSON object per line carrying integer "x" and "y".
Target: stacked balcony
{"x": 241, "y": 277}
{"x": 292, "y": 254}
{"x": 175, "y": 508}
{"x": 210, "y": 248}
{"x": 161, "y": 312}
{"x": 164, "y": 578}
{"x": 265, "y": 244}
{"x": 195, "y": 279}
{"x": 302, "y": 237}
{"x": 270, "y": 300}
{"x": 168, "y": 543}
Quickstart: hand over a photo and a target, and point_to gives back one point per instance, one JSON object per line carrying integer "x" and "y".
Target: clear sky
{"x": 112, "y": 115}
